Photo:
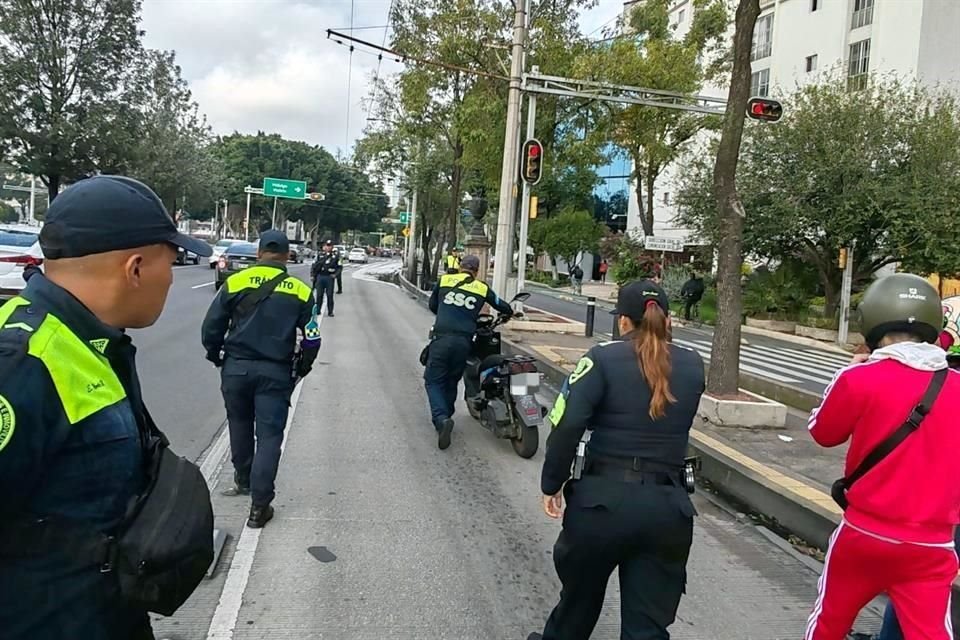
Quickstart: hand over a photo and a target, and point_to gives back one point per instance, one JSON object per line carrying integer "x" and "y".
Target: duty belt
{"x": 635, "y": 470}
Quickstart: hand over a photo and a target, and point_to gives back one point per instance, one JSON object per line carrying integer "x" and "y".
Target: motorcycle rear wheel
{"x": 527, "y": 443}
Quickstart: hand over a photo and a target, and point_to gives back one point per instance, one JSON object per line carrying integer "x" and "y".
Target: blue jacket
{"x": 269, "y": 332}
{"x": 458, "y": 299}
{"x": 70, "y": 446}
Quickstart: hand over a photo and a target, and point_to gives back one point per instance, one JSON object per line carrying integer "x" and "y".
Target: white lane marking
{"x": 368, "y": 273}
{"x": 750, "y": 354}
{"x": 547, "y": 313}
{"x": 811, "y": 362}
{"x": 200, "y": 286}
{"x": 225, "y": 616}
{"x": 231, "y": 598}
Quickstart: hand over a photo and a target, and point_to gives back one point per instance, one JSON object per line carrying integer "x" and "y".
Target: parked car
{"x": 184, "y": 256}
{"x": 296, "y": 255}
{"x": 357, "y": 255}
{"x": 218, "y": 250}
{"x": 19, "y": 249}
{"x": 237, "y": 257}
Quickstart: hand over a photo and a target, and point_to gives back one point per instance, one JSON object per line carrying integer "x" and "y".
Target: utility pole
{"x": 525, "y": 203}
{"x": 412, "y": 241}
{"x": 511, "y": 153}
{"x": 846, "y": 262}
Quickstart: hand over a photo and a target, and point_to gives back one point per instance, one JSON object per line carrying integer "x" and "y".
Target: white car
{"x": 218, "y": 250}
{"x": 357, "y": 255}
{"x": 19, "y": 248}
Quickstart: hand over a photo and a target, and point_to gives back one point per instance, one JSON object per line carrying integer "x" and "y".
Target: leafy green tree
{"x": 567, "y": 234}
{"x": 8, "y": 214}
{"x": 65, "y": 70}
{"x": 174, "y": 156}
{"x": 876, "y": 168}
{"x": 651, "y": 56}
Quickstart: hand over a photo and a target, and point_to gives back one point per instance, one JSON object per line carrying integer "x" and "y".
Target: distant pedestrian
{"x": 603, "y": 271}
{"x": 692, "y": 293}
{"x": 576, "y": 277}
{"x": 324, "y": 272}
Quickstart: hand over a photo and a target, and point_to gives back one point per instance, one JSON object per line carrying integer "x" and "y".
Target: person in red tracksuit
{"x": 897, "y": 532}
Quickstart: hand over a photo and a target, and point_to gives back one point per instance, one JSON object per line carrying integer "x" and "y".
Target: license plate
{"x": 242, "y": 265}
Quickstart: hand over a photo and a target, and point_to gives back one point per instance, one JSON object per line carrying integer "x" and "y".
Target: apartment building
{"x": 797, "y": 42}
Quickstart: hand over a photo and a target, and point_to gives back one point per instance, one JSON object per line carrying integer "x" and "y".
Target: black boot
{"x": 443, "y": 436}
{"x": 259, "y": 516}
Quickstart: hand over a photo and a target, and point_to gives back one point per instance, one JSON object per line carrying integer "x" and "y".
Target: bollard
{"x": 591, "y": 312}
{"x": 616, "y": 327}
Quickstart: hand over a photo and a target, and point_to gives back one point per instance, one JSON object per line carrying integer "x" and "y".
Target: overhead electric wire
{"x": 346, "y": 143}
{"x": 339, "y": 38}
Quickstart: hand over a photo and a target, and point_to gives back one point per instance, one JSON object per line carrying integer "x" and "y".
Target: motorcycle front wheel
{"x": 526, "y": 444}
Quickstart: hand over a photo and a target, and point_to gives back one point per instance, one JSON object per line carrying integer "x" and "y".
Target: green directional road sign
{"x": 278, "y": 188}
{"x": 404, "y": 217}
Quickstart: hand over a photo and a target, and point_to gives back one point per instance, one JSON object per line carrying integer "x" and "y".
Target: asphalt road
{"x": 181, "y": 389}
{"x": 785, "y": 362}
{"x": 380, "y": 535}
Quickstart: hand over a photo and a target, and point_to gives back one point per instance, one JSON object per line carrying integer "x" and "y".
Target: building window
{"x": 862, "y": 13}
{"x": 811, "y": 63}
{"x": 814, "y": 5}
{"x": 666, "y": 197}
{"x": 859, "y": 65}
{"x": 680, "y": 17}
{"x": 762, "y": 38}
{"x": 760, "y": 83}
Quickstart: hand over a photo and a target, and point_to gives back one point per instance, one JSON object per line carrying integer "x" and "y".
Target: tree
{"x": 567, "y": 234}
{"x": 876, "y": 168}
{"x": 64, "y": 78}
{"x": 8, "y": 214}
{"x": 723, "y": 377}
{"x": 174, "y": 157}
{"x": 650, "y": 56}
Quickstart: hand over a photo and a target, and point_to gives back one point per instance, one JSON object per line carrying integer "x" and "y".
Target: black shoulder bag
{"x": 425, "y": 354}
{"x": 248, "y": 302}
{"x": 839, "y": 488}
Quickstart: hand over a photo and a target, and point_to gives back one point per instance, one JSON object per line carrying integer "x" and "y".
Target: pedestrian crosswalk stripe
{"x": 759, "y": 362}
{"x": 705, "y": 352}
{"x": 827, "y": 368}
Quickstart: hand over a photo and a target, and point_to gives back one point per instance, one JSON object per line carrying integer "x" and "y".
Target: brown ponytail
{"x": 653, "y": 352}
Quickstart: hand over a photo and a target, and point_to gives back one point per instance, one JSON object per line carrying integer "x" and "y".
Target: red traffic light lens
{"x": 764, "y": 109}
{"x": 534, "y": 151}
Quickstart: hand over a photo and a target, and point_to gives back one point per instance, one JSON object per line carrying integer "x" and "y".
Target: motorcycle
{"x": 501, "y": 390}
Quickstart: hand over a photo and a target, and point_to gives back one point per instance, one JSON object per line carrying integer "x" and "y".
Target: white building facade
{"x": 797, "y": 42}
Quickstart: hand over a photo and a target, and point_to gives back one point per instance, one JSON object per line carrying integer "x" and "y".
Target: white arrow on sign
{"x": 296, "y": 189}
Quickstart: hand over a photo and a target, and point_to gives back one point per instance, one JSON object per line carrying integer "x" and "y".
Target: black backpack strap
{"x": 246, "y": 303}
{"x": 894, "y": 440}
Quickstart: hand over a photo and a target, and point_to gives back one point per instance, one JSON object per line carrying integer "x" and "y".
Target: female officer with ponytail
{"x": 628, "y": 507}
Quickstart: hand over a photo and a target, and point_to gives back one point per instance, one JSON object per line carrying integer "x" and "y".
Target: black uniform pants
{"x": 340, "y": 281}
{"x": 257, "y": 398}
{"x": 445, "y": 364}
{"x": 324, "y": 287}
{"x": 644, "y": 531}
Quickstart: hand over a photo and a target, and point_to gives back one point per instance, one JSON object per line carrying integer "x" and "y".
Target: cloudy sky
{"x": 268, "y": 65}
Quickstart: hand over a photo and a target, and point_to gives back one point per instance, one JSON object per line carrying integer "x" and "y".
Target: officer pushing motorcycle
{"x": 457, "y": 300}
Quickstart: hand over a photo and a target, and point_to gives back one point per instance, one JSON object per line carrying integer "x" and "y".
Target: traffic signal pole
{"x": 525, "y": 203}
{"x": 511, "y": 155}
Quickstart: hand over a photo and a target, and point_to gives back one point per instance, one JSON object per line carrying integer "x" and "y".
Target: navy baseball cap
{"x": 632, "y": 300}
{"x": 110, "y": 213}
{"x": 470, "y": 263}
{"x": 274, "y": 241}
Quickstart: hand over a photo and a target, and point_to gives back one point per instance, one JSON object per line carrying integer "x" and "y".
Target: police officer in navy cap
{"x": 251, "y": 333}
{"x": 628, "y": 506}
{"x": 457, "y": 299}
{"x": 72, "y": 416}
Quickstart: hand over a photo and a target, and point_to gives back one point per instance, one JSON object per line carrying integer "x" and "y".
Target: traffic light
{"x": 315, "y": 196}
{"x": 842, "y": 260}
{"x": 764, "y": 109}
{"x": 532, "y": 161}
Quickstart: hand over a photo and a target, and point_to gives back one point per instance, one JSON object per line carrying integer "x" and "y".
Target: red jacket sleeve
{"x": 831, "y": 424}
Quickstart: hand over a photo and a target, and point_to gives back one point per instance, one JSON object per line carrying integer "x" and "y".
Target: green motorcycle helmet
{"x": 900, "y": 303}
